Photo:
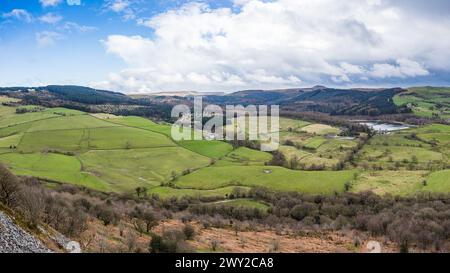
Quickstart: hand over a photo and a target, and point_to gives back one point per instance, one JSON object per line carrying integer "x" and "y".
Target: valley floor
{"x": 120, "y": 154}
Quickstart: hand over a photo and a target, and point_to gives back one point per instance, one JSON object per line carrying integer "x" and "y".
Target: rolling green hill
{"x": 117, "y": 154}
{"x": 426, "y": 101}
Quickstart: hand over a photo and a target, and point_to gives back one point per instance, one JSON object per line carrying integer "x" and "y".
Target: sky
{"x": 144, "y": 46}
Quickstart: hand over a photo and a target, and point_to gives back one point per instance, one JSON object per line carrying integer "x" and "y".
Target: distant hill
{"x": 423, "y": 101}
{"x": 426, "y": 101}
{"x": 71, "y": 93}
{"x": 87, "y": 95}
{"x": 177, "y": 94}
{"x": 321, "y": 99}
{"x": 348, "y": 101}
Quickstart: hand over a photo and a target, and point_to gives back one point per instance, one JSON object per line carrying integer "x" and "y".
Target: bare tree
{"x": 131, "y": 241}
{"x": 9, "y": 187}
{"x": 32, "y": 204}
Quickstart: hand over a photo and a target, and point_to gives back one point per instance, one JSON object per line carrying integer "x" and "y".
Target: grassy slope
{"x": 212, "y": 149}
{"x": 312, "y": 146}
{"x": 126, "y": 160}
{"x": 126, "y": 169}
{"x": 54, "y": 167}
{"x": 165, "y": 192}
{"x": 392, "y": 182}
{"x": 426, "y": 101}
{"x": 400, "y": 147}
{"x": 279, "y": 179}
{"x": 439, "y": 182}
{"x": 244, "y": 202}
{"x": 245, "y": 156}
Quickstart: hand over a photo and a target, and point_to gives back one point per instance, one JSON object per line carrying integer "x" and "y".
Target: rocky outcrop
{"x": 13, "y": 239}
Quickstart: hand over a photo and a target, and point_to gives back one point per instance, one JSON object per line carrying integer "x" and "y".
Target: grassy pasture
{"x": 61, "y": 140}
{"x": 63, "y": 111}
{"x": 212, "y": 149}
{"x": 116, "y": 137}
{"x": 15, "y": 119}
{"x": 13, "y": 130}
{"x": 244, "y": 202}
{"x": 6, "y": 142}
{"x": 399, "y": 154}
{"x": 440, "y": 138}
{"x": 420, "y": 146}
{"x": 118, "y": 154}
{"x": 335, "y": 145}
{"x": 289, "y": 152}
{"x": 125, "y": 170}
{"x": 315, "y": 142}
{"x": 124, "y": 138}
{"x": 439, "y": 182}
{"x": 397, "y": 139}
{"x": 311, "y": 146}
{"x": 5, "y": 99}
{"x": 142, "y": 123}
{"x": 426, "y": 101}
{"x": 54, "y": 167}
{"x": 292, "y": 125}
{"x": 433, "y": 128}
{"x": 276, "y": 178}
{"x": 320, "y": 129}
{"x": 69, "y": 123}
{"x": 244, "y": 154}
{"x": 390, "y": 182}
{"x": 167, "y": 192}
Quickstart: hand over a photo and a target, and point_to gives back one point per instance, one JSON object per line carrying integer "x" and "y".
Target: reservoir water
{"x": 385, "y": 127}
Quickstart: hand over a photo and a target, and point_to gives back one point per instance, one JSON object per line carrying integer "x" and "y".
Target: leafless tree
{"x": 9, "y": 187}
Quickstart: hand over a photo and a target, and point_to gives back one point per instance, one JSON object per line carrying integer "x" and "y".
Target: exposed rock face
{"x": 14, "y": 239}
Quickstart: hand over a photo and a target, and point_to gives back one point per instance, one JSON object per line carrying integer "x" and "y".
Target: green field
{"x": 426, "y": 101}
{"x": 320, "y": 129}
{"x": 314, "y": 144}
{"x": 439, "y": 182}
{"x": 213, "y": 148}
{"x": 390, "y": 182}
{"x": 245, "y": 156}
{"x": 415, "y": 147}
{"x": 142, "y": 123}
{"x": 117, "y": 154}
{"x": 247, "y": 203}
{"x": 14, "y": 119}
{"x": 53, "y": 167}
{"x": 125, "y": 169}
{"x": 275, "y": 178}
{"x": 292, "y": 125}
{"x": 69, "y": 123}
{"x": 166, "y": 192}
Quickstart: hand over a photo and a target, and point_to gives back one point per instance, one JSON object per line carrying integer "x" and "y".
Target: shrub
{"x": 189, "y": 231}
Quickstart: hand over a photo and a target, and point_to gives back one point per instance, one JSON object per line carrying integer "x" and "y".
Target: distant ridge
{"x": 177, "y": 94}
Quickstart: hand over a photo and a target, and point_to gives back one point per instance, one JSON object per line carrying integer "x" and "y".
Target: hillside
{"x": 72, "y": 93}
{"x": 371, "y": 102}
{"x": 114, "y": 181}
{"x": 426, "y": 101}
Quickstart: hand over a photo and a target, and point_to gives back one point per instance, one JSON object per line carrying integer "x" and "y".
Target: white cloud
{"x": 119, "y": 5}
{"x": 351, "y": 69}
{"x": 19, "y": 14}
{"x": 402, "y": 69}
{"x": 72, "y": 26}
{"x": 50, "y": 18}
{"x": 47, "y": 38}
{"x": 50, "y": 3}
{"x": 73, "y": 2}
{"x": 123, "y": 7}
{"x": 271, "y": 44}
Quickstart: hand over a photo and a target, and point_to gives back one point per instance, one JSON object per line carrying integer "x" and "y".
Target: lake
{"x": 385, "y": 127}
